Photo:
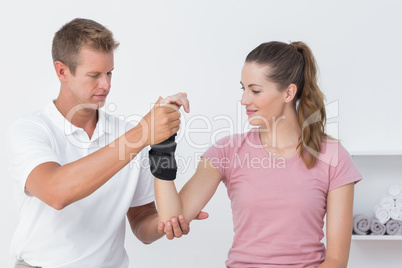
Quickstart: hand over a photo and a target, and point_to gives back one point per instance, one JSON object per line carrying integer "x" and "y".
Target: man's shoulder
{"x": 36, "y": 118}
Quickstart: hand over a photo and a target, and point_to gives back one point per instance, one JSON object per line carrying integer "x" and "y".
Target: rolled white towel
{"x": 395, "y": 213}
{"x": 387, "y": 202}
{"x": 395, "y": 190}
{"x": 382, "y": 215}
{"x": 398, "y": 203}
{"x": 393, "y": 227}
{"x": 377, "y": 228}
{"x": 361, "y": 224}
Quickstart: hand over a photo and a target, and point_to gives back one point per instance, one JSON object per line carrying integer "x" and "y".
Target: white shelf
{"x": 375, "y": 153}
{"x": 380, "y": 169}
{"x": 377, "y": 237}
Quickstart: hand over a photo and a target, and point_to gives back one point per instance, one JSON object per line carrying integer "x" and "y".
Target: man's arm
{"x": 58, "y": 186}
{"x": 144, "y": 222}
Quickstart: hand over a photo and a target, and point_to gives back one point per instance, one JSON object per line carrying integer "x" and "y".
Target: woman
{"x": 283, "y": 176}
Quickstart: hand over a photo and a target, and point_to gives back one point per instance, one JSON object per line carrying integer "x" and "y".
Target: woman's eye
{"x": 256, "y": 91}
{"x": 109, "y": 73}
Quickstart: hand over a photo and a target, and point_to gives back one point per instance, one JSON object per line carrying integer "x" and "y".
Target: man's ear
{"x": 61, "y": 70}
{"x": 290, "y": 93}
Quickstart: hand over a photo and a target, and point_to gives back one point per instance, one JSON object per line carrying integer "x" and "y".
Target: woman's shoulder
{"x": 332, "y": 151}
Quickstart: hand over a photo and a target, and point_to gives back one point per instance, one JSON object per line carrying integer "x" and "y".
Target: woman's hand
{"x": 177, "y": 227}
{"x": 179, "y": 99}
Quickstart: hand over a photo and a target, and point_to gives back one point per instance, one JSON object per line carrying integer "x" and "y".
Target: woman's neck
{"x": 283, "y": 132}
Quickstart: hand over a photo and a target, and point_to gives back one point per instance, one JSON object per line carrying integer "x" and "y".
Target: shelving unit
{"x": 380, "y": 169}
{"x": 377, "y": 237}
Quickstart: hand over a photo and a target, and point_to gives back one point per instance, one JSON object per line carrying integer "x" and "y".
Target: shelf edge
{"x": 376, "y": 237}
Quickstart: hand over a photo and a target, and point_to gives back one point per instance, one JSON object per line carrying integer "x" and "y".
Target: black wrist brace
{"x": 162, "y": 161}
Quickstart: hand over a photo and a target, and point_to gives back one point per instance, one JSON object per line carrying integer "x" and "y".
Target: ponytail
{"x": 310, "y": 109}
{"x": 295, "y": 64}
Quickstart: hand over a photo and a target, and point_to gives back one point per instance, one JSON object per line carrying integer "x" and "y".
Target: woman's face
{"x": 263, "y": 101}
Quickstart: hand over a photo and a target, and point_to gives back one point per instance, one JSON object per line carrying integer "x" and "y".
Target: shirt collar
{"x": 102, "y": 126}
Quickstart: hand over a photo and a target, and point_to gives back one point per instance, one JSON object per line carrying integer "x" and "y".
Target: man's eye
{"x": 94, "y": 76}
{"x": 242, "y": 88}
{"x": 109, "y": 73}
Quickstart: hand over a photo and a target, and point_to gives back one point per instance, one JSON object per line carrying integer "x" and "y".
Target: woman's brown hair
{"x": 295, "y": 64}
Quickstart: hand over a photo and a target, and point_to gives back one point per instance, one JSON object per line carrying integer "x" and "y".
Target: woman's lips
{"x": 250, "y": 112}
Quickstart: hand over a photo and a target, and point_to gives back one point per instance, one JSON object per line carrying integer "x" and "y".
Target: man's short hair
{"x": 69, "y": 40}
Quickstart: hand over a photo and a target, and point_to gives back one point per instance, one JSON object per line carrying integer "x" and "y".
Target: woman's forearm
{"x": 333, "y": 263}
{"x": 192, "y": 198}
{"x": 168, "y": 201}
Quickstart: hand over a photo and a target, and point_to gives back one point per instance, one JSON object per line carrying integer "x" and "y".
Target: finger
{"x": 173, "y": 114}
{"x": 185, "y": 227}
{"x": 180, "y": 99}
{"x": 174, "y": 130}
{"x": 172, "y": 100}
{"x": 185, "y": 102}
{"x": 173, "y": 106}
{"x": 161, "y": 228}
{"x": 176, "y": 228}
{"x": 170, "y": 117}
{"x": 169, "y": 230}
{"x": 175, "y": 121}
{"x": 202, "y": 216}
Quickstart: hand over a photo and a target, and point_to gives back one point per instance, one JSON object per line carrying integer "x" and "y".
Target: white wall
{"x": 199, "y": 47}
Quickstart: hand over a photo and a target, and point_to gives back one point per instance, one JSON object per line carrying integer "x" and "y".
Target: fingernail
{"x": 174, "y": 220}
{"x": 181, "y": 217}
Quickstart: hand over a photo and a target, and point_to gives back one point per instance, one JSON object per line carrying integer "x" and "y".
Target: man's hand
{"x": 160, "y": 123}
{"x": 177, "y": 227}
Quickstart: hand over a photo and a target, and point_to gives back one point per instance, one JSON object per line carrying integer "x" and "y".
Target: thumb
{"x": 202, "y": 215}
{"x": 158, "y": 102}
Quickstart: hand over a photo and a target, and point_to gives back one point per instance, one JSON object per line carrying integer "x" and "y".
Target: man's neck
{"x": 83, "y": 116}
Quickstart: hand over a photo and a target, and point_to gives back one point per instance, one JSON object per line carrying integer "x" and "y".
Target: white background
{"x": 199, "y": 47}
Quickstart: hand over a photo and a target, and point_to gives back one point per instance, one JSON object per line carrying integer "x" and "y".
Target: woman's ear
{"x": 61, "y": 70}
{"x": 290, "y": 93}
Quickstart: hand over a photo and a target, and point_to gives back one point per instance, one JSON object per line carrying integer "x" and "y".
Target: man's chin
{"x": 100, "y": 104}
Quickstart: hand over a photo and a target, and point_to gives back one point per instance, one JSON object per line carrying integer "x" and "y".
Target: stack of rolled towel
{"x": 387, "y": 219}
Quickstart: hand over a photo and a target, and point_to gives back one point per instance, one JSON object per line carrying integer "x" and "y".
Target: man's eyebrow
{"x": 97, "y": 72}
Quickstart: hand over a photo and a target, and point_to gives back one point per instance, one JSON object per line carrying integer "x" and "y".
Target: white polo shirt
{"x": 91, "y": 231}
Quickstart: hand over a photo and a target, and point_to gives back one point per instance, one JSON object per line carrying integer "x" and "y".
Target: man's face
{"x": 91, "y": 82}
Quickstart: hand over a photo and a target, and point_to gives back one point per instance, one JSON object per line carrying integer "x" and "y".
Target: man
{"x": 69, "y": 164}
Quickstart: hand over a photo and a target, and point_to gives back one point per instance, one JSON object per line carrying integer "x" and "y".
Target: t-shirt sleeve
{"x": 28, "y": 145}
{"x": 342, "y": 169}
{"x": 144, "y": 193}
{"x": 217, "y": 154}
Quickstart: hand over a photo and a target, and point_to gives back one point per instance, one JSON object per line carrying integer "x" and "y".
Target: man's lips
{"x": 101, "y": 95}
{"x": 250, "y": 111}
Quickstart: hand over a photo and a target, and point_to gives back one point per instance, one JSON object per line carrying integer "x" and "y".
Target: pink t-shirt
{"x": 278, "y": 204}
